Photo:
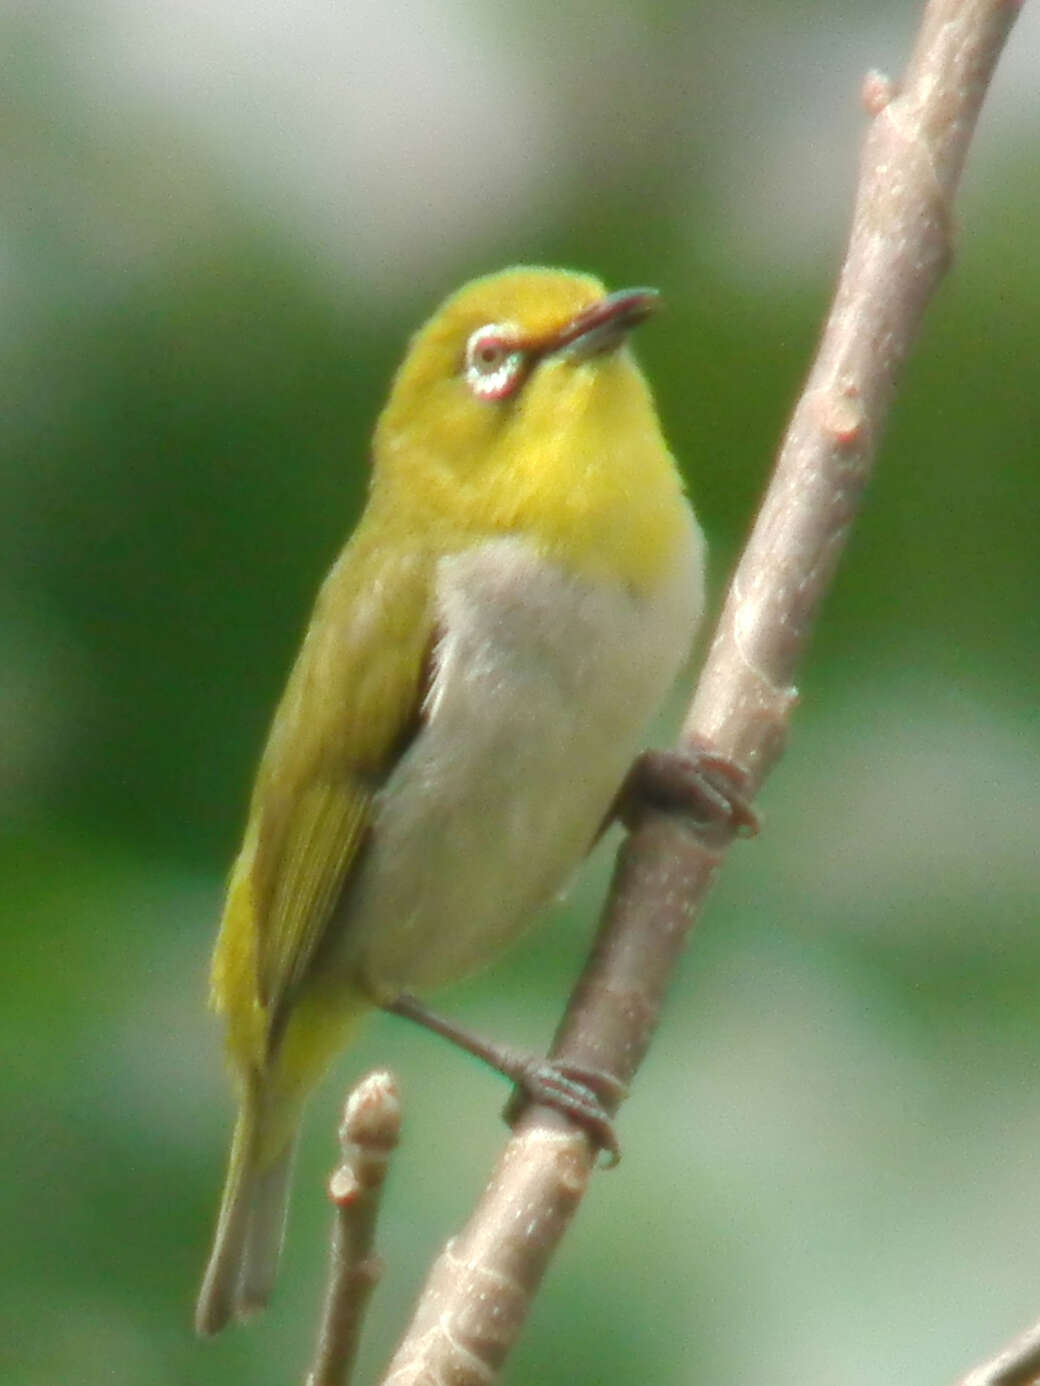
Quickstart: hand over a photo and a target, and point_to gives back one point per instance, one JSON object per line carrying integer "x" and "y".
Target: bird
{"x": 480, "y": 667}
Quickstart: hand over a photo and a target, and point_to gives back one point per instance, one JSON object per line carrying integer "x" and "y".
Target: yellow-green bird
{"x": 481, "y": 664}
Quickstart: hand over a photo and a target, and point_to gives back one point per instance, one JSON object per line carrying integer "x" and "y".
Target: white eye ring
{"x": 494, "y": 364}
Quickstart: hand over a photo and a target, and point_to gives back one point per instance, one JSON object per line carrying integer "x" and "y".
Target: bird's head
{"x": 517, "y": 408}
{"x": 509, "y": 363}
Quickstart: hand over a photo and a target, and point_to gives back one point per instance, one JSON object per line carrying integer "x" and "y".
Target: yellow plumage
{"x": 562, "y": 497}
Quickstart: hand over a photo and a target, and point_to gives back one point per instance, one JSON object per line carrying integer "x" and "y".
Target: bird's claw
{"x": 707, "y": 788}
{"x": 580, "y": 1093}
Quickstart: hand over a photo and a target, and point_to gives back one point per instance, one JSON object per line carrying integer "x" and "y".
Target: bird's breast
{"x": 542, "y": 689}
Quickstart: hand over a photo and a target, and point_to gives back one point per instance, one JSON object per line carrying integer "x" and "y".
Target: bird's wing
{"x": 352, "y": 704}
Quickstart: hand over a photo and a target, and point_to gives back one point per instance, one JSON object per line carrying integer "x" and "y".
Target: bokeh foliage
{"x": 829, "y": 1160}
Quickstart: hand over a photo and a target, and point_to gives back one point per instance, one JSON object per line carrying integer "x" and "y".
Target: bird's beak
{"x": 602, "y": 326}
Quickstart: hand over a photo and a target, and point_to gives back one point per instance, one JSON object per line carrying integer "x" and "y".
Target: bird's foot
{"x": 706, "y": 788}
{"x": 580, "y": 1093}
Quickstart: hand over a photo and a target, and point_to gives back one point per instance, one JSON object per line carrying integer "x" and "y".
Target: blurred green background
{"x": 219, "y": 224}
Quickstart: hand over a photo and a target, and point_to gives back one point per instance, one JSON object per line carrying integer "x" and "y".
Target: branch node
{"x": 842, "y": 416}
{"x": 877, "y": 91}
{"x": 343, "y": 1186}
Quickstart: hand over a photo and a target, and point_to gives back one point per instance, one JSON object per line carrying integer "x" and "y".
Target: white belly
{"x": 543, "y": 689}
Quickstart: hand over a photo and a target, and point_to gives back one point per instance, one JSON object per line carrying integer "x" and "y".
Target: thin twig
{"x": 480, "y": 1289}
{"x": 368, "y": 1134}
{"x": 1018, "y": 1364}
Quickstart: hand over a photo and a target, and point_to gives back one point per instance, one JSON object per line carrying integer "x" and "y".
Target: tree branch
{"x": 480, "y": 1289}
{"x": 368, "y": 1135}
{"x": 1016, "y": 1365}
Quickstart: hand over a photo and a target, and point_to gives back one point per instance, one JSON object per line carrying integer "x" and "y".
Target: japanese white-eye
{"x": 481, "y": 664}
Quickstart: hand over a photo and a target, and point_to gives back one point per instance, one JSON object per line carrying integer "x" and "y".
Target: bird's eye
{"x": 494, "y": 362}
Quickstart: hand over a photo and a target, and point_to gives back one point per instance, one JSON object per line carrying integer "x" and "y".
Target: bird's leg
{"x": 706, "y": 788}
{"x": 579, "y": 1093}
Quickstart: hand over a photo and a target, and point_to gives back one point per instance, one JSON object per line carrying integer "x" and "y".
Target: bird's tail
{"x": 244, "y": 1261}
